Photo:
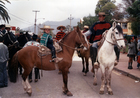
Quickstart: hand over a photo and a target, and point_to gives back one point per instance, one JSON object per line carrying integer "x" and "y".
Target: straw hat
{"x": 7, "y": 26}
{"x": 61, "y": 26}
{"x": 102, "y": 13}
{"x": 46, "y": 27}
{"x": 86, "y": 27}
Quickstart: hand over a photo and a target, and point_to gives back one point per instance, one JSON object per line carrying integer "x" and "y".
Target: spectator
{"x": 4, "y": 55}
{"x": 138, "y": 58}
{"x": 124, "y": 48}
{"x": 131, "y": 52}
{"x": 136, "y": 42}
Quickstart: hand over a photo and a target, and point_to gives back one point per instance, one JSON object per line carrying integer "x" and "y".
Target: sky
{"x": 22, "y": 15}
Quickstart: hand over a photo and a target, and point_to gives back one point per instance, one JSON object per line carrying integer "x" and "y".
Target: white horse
{"x": 106, "y": 56}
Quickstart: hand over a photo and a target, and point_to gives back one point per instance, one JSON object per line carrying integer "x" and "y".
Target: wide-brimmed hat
{"x": 7, "y": 26}
{"x": 102, "y": 13}
{"x": 86, "y": 27}
{"x": 61, "y": 26}
{"x": 46, "y": 27}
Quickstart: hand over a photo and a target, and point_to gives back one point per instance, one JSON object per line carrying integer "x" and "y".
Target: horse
{"x": 85, "y": 55}
{"x": 28, "y": 57}
{"x": 106, "y": 56}
{"x": 23, "y": 39}
{"x": 13, "y": 46}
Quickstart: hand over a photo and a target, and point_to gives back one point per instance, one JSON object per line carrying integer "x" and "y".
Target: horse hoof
{"x": 94, "y": 84}
{"x": 101, "y": 92}
{"x": 69, "y": 93}
{"x": 29, "y": 93}
{"x": 110, "y": 92}
{"x": 84, "y": 74}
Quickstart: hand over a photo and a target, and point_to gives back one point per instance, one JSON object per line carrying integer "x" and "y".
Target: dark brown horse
{"x": 28, "y": 58}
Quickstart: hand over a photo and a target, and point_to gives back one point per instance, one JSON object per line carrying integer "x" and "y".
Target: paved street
{"x": 50, "y": 85}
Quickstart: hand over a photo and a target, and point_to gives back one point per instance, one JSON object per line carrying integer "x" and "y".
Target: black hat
{"x": 1, "y": 26}
{"x": 34, "y": 37}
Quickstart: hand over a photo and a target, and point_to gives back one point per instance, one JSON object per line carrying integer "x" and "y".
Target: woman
{"x": 47, "y": 41}
{"x": 131, "y": 52}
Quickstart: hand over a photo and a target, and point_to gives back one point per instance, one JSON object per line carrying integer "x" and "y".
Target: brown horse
{"x": 28, "y": 58}
{"x": 85, "y": 55}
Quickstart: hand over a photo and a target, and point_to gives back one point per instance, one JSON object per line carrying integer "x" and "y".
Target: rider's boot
{"x": 54, "y": 58}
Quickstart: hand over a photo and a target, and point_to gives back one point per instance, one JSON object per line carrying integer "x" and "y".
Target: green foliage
{"x": 134, "y": 12}
{"x": 3, "y": 13}
{"x": 135, "y": 26}
{"x": 89, "y": 21}
{"x": 106, "y": 6}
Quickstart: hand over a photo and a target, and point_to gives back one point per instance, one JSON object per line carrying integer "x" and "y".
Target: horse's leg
{"x": 109, "y": 71}
{"x": 83, "y": 62}
{"x": 87, "y": 64}
{"x": 65, "y": 81}
{"x": 25, "y": 83}
{"x": 103, "y": 79}
{"x": 95, "y": 76}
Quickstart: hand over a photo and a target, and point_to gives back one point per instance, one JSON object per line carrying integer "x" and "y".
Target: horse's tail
{"x": 13, "y": 69}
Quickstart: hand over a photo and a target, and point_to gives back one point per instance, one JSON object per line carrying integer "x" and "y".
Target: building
{"x": 126, "y": 26}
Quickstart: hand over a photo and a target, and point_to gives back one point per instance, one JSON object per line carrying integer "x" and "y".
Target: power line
{"x": 20, "y": 18}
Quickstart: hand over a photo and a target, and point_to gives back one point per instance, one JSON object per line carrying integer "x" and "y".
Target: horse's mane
{"x": 119, "y": 29}
{"x": 66, "y": 35}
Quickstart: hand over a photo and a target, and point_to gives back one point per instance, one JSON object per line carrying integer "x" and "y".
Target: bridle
{"x": 82, "y": 44}
{"x": 113, "y": 37}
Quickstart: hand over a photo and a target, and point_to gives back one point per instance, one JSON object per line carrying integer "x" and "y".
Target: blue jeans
{"x": 138, "y": 65}
{"x": 3, "y": 74}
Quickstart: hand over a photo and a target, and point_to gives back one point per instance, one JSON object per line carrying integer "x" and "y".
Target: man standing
{"x": 2, "y": 29}
{"x": 96, "y": 31}
{"x": 4, "y": 55}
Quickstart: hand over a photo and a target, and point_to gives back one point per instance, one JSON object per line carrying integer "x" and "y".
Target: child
{"x": 4, "y": 55}
{"x": 60, "y": 34}
{"x": 138, "y": 58}
{"x": 131, "y": 52}
{"x": 47, "y": 41}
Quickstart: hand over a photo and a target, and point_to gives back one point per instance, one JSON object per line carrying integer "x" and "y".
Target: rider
{"x": 60, "y": 34}
{"x": 47, "y": 41}
{"x": 2, "y": 29}
{"x": 96, "y": 32}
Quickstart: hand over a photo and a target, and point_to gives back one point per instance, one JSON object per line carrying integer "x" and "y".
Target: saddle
{"x": 44, "y": 51}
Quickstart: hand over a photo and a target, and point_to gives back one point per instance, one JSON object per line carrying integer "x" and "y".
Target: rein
{"x": 72, "y": 47}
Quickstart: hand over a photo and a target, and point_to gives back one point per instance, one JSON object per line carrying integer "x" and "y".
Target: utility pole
{"x": 70, "y": 18}
{"x": 35, "y": 20}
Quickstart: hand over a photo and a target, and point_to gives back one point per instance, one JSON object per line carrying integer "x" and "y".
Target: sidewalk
{"x": 122, "y": 67}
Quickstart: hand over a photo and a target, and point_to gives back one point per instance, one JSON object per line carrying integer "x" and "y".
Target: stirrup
{"x": 56, "y": 60}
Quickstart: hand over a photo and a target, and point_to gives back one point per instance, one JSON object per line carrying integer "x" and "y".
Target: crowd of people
{"x": 94, "y": 35}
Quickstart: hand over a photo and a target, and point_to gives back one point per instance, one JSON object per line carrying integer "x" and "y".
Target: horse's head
{"x": 117, "y": 35}
{"x": 10, "y": 39}
{"x": 81, "y": 39}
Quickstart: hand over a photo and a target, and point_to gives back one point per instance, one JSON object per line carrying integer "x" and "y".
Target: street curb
{"x": 127, "y": 74}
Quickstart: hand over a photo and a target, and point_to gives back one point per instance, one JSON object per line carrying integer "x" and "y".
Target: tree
{"x": 89, "y": 21}
{"x": 3, "y": 13}
{"x": 134, "y": 12}
{"x": 106, "y": 6}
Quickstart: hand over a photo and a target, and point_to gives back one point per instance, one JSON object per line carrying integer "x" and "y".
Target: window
{"x": 124, "y": 25}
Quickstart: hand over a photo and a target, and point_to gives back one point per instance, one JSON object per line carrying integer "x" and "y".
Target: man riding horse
{"x": 96, "y": 32}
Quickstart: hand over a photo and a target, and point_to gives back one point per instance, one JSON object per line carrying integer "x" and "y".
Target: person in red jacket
{"x": 60, "y": 34}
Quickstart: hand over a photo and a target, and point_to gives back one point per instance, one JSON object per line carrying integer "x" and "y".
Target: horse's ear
{"x": 77, "y": 29}
{"x": 114, "y": 24}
